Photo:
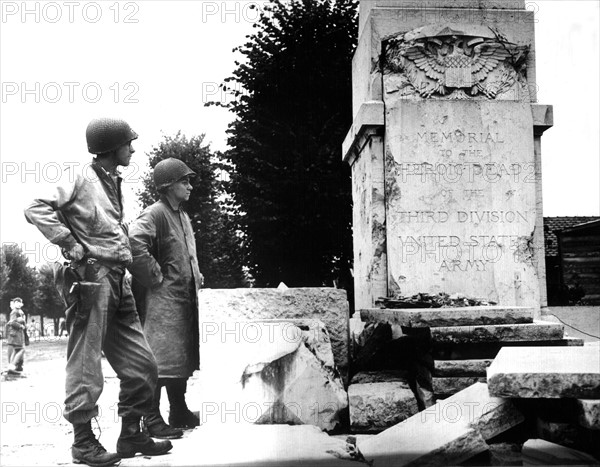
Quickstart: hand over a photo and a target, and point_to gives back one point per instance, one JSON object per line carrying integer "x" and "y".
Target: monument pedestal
{"x": 445, "y": 153}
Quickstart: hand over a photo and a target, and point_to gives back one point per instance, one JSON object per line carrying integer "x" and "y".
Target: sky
{"x": 155, "y": 64}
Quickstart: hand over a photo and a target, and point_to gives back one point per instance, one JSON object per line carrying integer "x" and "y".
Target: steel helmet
{"x": 107, "y": 134}
{"x": 169, "y": 171}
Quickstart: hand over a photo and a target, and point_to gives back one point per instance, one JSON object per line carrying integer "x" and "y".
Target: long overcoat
{"x": 166, "y": 280}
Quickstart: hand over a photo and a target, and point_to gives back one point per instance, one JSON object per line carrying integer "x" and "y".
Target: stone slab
{"x": 451, "y": 316}
{"x": 461, "y": 367}
{"x": 545, "y": 372}
{"x": 589, "y": 413}
{"x": 541, "y": 452}
{"x": 451, "y": 385}
{"x": 222, "y": 308}
{"x": 446, "y": 433}
{"x": 377, "y": 406}
{"x": 539, "y": 331}
{"x": 390, "y": 376}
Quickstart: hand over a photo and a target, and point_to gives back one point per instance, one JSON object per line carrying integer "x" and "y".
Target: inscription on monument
{"x": 460, "y": 193}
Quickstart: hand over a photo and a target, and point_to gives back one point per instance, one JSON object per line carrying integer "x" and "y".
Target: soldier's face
{"x": 181, "y": 189}
{"x": 124, "y": 153}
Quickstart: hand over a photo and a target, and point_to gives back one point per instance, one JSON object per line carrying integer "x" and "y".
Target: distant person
{"x": 85, "y": 218}
{"x": 62, "y": 327}
{"x": 15, "y": 336}
{"x": 166, "y": 280}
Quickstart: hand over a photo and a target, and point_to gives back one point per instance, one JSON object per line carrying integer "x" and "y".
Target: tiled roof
{"x": 557, "y": 224}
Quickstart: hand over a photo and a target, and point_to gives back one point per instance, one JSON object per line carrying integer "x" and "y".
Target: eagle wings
{"x": 451, "y": 64}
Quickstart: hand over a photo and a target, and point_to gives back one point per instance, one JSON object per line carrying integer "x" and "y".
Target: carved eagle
{"x": 453, "y": 63}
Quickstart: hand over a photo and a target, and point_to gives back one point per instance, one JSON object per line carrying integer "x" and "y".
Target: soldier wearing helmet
{"x": 166, "y": 280}
{"x": 85, "y": 218}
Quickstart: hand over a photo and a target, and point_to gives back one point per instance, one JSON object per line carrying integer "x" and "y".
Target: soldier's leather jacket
{"x": 86, "y": 209}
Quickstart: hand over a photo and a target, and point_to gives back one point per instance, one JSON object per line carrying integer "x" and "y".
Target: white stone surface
{"x": 224, "y": 314}
{"x": 282, "y": 375}
{"x": 546, "y": 372}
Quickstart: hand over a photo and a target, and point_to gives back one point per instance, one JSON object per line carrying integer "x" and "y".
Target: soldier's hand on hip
{"x": 75, "y": 253}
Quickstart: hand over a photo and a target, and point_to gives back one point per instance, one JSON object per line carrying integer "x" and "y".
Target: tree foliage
{"x": 18, "y": 279}
{"x": 217, "y": 246}
{"x": 46, "y": 297}
{"x": 292, "y": 103}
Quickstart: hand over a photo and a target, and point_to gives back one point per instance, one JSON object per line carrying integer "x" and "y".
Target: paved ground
{"x": 580, "y": 321}
{"x": 34, "y": 433}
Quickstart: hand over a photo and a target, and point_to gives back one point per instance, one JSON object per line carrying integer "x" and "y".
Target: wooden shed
{"x": 579, "y": 253}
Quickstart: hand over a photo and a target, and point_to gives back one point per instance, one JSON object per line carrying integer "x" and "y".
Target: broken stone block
{"x": 446, "y": 433}
{"x": 541, "y": 452}
{"x": 547, "y": 372}
{"x": 589, "y": 413}
{"x": 450, "y": 316}
{"x": 474, "y": 367}
{"x": 451, "y": 385}
{"x": 539, "y": 331}
{"x": 220, "y": 306}
{"x": 294, "y": 380}
{"x": 377, "y": 406}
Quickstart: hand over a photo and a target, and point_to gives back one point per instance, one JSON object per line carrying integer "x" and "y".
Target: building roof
{"x": 558, "y": 224}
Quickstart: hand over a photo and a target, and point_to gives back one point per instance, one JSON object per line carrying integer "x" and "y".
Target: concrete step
{"x": 538, "y": 331}
{"x": 450, "y": 316}
{"x": 447, "y": 386}
{"x": 446, "y": 368}
{"x": 546, "y": 372}
{"x": 489, "y": 350}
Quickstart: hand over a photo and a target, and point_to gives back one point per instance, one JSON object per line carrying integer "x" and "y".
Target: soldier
{"x": 15, "y": 336}
{"x": 85, "y": 218}
{"x": 166, "y": 279}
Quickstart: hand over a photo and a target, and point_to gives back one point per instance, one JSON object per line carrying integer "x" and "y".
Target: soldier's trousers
{"x": 113, "y": 327}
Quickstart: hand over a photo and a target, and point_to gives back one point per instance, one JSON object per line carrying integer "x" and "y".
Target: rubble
{"x": 446, "y": 433}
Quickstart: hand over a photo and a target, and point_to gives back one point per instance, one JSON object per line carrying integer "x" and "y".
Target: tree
{"x": 4, "y": 273}
{"x": 46, "y": 297}
{"x": 20, "y": 280}
{"x": 293, "y": 100}
{"x": 217, "y": 244}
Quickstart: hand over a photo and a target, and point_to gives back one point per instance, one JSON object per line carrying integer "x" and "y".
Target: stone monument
{"x": 445, "y": 152}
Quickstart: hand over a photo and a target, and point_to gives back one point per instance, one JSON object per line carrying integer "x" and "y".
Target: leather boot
{"x": 87, "y": 449}
{"x": 179, "y": 415}
{"x": 154, "y": 424}
{"x": 132, "y": 440}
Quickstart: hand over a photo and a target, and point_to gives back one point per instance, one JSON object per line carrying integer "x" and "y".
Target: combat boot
{"x": 87, "y": 449}
{"x": 154, "y": 424}
{"x": 179, "y": 415}
{"x": 132, "y": 440}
